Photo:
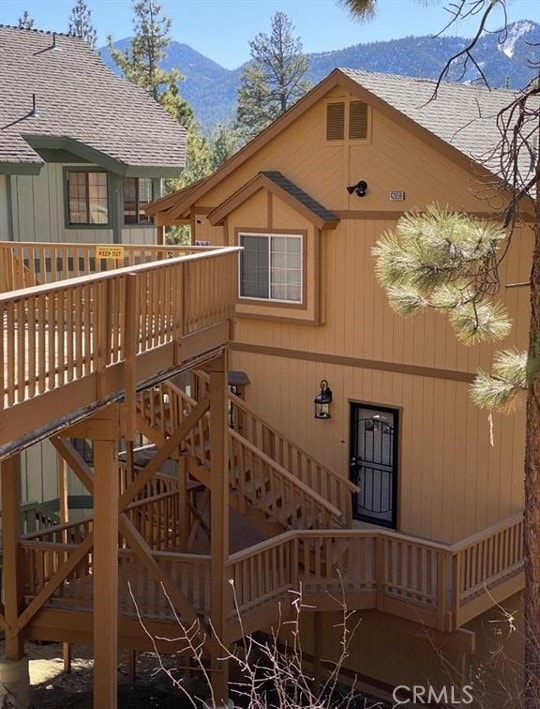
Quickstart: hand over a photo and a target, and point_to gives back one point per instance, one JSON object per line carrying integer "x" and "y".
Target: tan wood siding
{"x": 452, "y": 481}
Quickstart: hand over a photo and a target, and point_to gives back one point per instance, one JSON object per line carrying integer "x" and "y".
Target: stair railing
{"x": 262, "y": 482}
{"x": 319, "y": 477}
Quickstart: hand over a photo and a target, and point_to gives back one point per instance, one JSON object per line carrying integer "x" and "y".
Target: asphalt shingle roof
{"x": 281, "y": 181}
{"x": 462, "y": 115}
{"x": 78, "y": 98}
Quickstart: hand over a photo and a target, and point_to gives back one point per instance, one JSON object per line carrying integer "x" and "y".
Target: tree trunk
{"x": 532, "y": 497}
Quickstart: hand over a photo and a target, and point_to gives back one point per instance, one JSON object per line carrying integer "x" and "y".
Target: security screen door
{"x": 373, "y": 463}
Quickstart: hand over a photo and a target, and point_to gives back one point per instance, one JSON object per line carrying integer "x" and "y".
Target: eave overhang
{"x": 277, "y": 184}
{"x": 97, "y": 157}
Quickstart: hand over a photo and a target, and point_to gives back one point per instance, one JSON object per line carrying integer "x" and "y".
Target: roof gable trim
{"x": 275, "y": 183}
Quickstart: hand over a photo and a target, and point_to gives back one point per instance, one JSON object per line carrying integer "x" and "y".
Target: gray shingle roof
{"x": 281, "y": 181}
{"x": 80, "y": 100}
{"x": 462, "y": 115}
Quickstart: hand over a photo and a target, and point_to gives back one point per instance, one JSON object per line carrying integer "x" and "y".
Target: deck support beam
{"x": 14, "y": 675}
{"x": 106, "y": 492}
{"x": 219, "y": 523}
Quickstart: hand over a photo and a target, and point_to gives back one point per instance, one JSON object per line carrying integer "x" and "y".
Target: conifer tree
{"x": 141, "y": 62}
{"x": 25, "y": 22}
{"x": 224, "y": 144}
{"x": 426, "y": 271}
{"x": 80, "y": 23}
{"x": 273, "y": 80}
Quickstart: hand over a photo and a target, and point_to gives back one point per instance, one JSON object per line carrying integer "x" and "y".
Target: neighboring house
{"x": 82, "y": 152}
{"x": 307, "y": 200}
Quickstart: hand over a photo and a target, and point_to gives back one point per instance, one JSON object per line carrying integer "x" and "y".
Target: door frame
{"x": 397, "y": 411}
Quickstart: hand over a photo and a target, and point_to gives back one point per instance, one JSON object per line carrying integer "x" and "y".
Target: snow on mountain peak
{"x": 512, "y": 34}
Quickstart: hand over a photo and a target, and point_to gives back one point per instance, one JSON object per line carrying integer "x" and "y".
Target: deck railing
{"x": 158, "y": 520}
{"x": 485, "y": 560}
{"x": 331, "y": 486}
{"x": 27, "y": 264}
{"x": 57, "y": 333}
{"x": 421, "y": 581}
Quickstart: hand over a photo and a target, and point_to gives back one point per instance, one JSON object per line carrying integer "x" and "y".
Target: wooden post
{"x": 63, "y": 497}
{"x": 63, "y": 492}
{"x": 14, "y": 675}
{"x": 317, "y": 649}
{"x": 184, "y": 512}
{"x": 11, "y": 572}
{"x": 105, "y": 574}
{"x": 160, "y": 237}
{"x": 219, "y": 522}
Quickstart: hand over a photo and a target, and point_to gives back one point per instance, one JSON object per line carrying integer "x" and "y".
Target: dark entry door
{"x": 374, "y": 463}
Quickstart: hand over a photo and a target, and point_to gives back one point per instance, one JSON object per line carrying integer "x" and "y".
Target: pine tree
{"x": 477, "y": 314}
{"x": 224, "y": 144}
{"x": 80, "y": 24}
{"x": 274, "y": 79}
{"x": 141, "y": 62}
{"x": 25, "y": 22}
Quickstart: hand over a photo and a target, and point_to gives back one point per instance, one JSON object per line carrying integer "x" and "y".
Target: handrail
{"x": 58, "y": 333}
{"x": 298, "y": 484}
{"x": 322, "y": 510}
{"x": 114, "y": 273}
{"x": 395, "y": 573}
{"x": 58, "y": 528}
{"x": 241, "y": 404}
{"x": 489, "y": 531}
{"x": 46, "y": 262}
{"x": 289, "y": 455}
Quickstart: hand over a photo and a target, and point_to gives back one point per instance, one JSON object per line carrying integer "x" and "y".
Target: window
{"x": 356, "y": 125}
{"x": 271, "y": 267}
{"x": 85, "y": 449}
{"x": 138, "y": 192}
{"x": 88, "y": 200}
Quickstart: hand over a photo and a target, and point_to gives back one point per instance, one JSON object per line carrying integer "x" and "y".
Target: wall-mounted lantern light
{"x": 359, "y": 189}
{"x": 322, "y": 401}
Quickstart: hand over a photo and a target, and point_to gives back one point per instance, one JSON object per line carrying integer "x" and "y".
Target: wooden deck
{"x": 81, "y": 333}
{"x": 71, "y": 346}
{"x": 439, "y": 586}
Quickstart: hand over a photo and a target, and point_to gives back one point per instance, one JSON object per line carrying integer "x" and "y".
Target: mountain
{"x": 505, "y": 57}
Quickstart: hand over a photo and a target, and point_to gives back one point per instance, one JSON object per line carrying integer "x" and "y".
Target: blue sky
{"x": 221, "y": 29}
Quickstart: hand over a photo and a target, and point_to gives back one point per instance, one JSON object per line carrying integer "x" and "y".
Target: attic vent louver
{"x": 335, "y": 121}
{"x": 358, "y": 119}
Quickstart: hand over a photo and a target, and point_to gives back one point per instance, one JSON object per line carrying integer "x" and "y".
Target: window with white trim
{"x": 271, "y": 267}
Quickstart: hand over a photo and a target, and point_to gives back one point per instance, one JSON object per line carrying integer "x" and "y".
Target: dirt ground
{"x": 52, "y": 688}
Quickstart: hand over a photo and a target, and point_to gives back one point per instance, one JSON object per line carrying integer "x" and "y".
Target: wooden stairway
{"x": 261, "y": 486}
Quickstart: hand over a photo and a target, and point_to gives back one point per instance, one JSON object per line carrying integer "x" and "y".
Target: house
{"x": 82, "y": 151}
{"x": 113, "y": 342}
{"x": 307, "y": 200}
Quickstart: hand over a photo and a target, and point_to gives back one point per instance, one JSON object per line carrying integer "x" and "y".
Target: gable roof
{"x": 279, "y": 185}
{"x": 81, "y": 106}
{"x": 461, "y": 122}
{"x": 462, "y": 115}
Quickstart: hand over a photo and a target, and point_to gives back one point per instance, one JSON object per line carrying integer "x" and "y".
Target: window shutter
{"x": 358, "y": 119}
{"x": 335, "y": 121}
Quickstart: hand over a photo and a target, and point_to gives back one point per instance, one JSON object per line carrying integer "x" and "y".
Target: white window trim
{"x": 269, "y": 300}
